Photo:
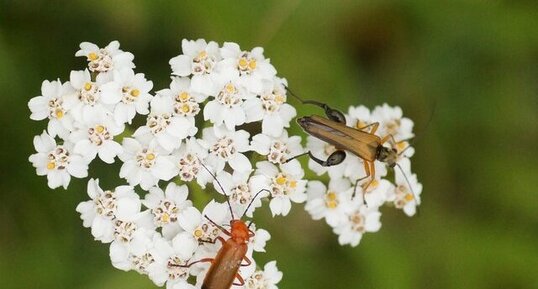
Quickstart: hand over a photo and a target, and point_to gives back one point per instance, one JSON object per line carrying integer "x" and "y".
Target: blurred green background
{"x": 476, "y": 62}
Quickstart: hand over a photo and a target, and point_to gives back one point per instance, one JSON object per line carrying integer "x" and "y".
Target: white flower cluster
{"x": 350, "y": 203}
{"x": 159, "y": 232}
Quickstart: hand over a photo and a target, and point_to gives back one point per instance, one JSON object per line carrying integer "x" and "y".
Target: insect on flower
{"x": 360, "y": 142}
{"x": 225, "y": 266}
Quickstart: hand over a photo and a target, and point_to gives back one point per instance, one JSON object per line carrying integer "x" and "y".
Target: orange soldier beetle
{"x": 225, "y": 266}
{"x": 365, "y": 145}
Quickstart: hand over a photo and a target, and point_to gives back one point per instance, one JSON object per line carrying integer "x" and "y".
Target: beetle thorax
{"x": 240, "y": 232}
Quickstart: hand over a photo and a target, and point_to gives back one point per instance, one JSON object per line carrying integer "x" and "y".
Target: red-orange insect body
{"x": 225, "y": 266}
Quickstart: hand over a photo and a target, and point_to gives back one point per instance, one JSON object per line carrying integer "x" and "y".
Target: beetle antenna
{"x": 220, "y": 186}
{"x": 293, "y": 94}
{"x": 251, "y": 201}
{"x": 408, "y": 183}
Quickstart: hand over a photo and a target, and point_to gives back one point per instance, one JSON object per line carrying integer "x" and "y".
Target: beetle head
{"x": 240, "y": 231}
{"x": 388, "y": 156}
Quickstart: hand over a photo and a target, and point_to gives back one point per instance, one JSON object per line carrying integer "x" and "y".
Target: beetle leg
{"x": 372, "y": 176}
{"x": 246, "y": 260}
{"x": 374, "y": 126}
{"x": 386, "y": 138}
{"x": 367, "y": 171}
{"x": 240, "y": 279}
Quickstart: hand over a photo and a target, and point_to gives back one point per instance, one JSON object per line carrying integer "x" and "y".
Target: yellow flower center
{"x": 135, "y": 92}
{"x": 293, "y": 184}
{"x": 51, "y": 165}
{"x": 243, "y": 62}
{"x": 185, "y": 108}
{"x": 202, "y": 54}
{"x": 279, "y": 98}
{"x": 408, "y": 197}
{"x": 331, "y": 200}
{"x": 150, "y": 156}
{"x": 229, "y": 88}
{"x": 252, "y": 64}
{"x": 198, "y": 233}
{"x": 165, "y": 218}
{"x": 59, "y": 114}
{"x": 281, "y": 180}
{"x": 184, "y": 96}
{"x": 100, "y": 128}
{"x": 92, "y": 56}
{"x": 87, "y": 86}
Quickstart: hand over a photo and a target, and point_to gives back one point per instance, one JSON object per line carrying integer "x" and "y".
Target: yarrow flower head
{"x": 222, "y": 120}
{"x": 351, "y": 203}
{"x": 149, "y": 222}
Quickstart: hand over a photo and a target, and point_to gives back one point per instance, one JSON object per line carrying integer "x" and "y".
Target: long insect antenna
{"x": 251, "y": 201}
{"x": 221, "y": 188}
{"x": 293, "y": 94}
{"x": 408, "y": 183}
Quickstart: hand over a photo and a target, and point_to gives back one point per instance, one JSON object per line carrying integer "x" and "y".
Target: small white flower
{"x": 97, "y": 137}
{"x": 286, "y": 185}
{"x": 86, "y": 99}
{"x": 186, "y": 101}
{"x": 278, "y": 150}
{"x": 227, "y": 146}
{"x": 138, "y": 260}
{"x": 252, "y": 66}
{"x": 360, "y": 219}
{"x": 358, "y": 117}
{"x": 376, "y": 194}
{"x": 129, "y": 93}
{"x": 167, "y": 256}
{"x": 266, "y": 279}
{"x": 102, "y": 60}
{"x": 54, "y": 104}
{"x": 105, "y": 207}
{"x": 164, "y": 126}
{"x": 188, "y": 161}
{"x": 261, "y": 236}
{"x": 392, "y": 122}
{"x": 199, "y": 58}
{"x": 131, "y": 237}
{"x": 57, "y": 162}
{"x": 402, "y": 196}
{"x": 166, "y": 206}
{"x": 240, "y": 191}
{"x": 145, "y": 163}
{"x": 271, "y": 108}
{"x": 228, "y": 107}
{"x": 200, "y": 229}
{"x": 332, "y": 203}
